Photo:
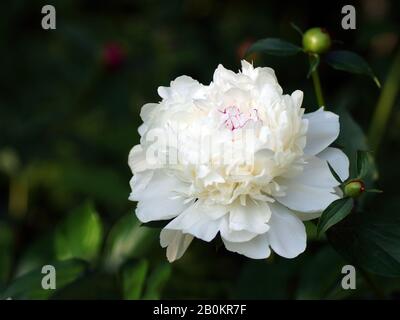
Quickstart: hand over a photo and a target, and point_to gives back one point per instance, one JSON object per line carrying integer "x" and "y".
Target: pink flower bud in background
{"x": 113, "y": 55}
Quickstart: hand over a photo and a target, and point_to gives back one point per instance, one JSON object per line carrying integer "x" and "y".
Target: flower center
{"x": 234, "y": 119}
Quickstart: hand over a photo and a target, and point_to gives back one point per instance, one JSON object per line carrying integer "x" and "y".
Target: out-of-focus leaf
{"x": 320, "y": 275}
{"x": 98, "y": 183}
{"x": 370, "y": 240}
{"x": 133, "y": 276}
{"x": 127, "y": 239}
{"x": 363, "y": 164}
{"x": 351, "y": 137}
{"x": 6, "y": 247}
{"x": 37, "y": 254}
{"x": 267, "y": 279}
{"x": 350, "y": 62}
{"x": 274, "y": 46}
{"x": 29, "y": 286}
{"x": 94, "y": 286}
{"x": 335, "y": 212}
{"x": 157, "y": 280}
{"x": 9, "y": 162}
{"x": 80, "y": 235}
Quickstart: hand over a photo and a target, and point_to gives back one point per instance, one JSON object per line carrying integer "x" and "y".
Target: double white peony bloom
{"x": 238, "y": 158}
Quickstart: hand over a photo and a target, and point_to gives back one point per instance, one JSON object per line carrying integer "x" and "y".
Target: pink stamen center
{"x": 234, "y": 119}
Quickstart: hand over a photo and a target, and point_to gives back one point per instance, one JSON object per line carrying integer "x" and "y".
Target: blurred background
{"x": 69, "y": 111}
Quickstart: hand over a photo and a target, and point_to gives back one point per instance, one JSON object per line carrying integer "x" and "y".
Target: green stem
{"x": 317, "y": 87}
{"x": 385, "y": 105}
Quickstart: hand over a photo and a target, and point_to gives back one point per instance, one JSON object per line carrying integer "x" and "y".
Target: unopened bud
{"x": 354, "y": 188}
{"x": 316, "y": 40}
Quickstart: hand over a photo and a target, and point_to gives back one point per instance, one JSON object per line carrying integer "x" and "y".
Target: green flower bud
{"x": 316, "y": 40}
{"x": 354, "y": 188}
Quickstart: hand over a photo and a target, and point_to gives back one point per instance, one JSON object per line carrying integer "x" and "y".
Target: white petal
{"x": 305, "y": 198}
{"x": 142, "y": 129}
{"x": 216, "y": 211}
{"x": 287, "y": 235}
{"x": 257, "y": 248}
{"x": 338, "y": 161}
{"x": 297, "y": 97}
{"x": 252, "y": 217}
{"x": 195, "y": 221}
{"x": 176, "y": 243}
{"x": 315, "y": 173}
{"x": 137, "y": 159}
{"x": 323, "y": 129}
{"x": 139, "y": 182}
{"x": 183, "y": 88}
{"x": 312, "y": 190}
{"x": 232, "y": 235}
{"x": 158, "y": 201}
{"x": 148, "y": 111}
{"x": 223, "y": 76}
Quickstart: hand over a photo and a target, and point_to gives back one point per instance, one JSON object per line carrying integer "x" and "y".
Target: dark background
{"x": 69, "y": 110}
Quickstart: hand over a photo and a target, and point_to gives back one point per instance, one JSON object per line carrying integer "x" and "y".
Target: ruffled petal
{"x": 297, "y": 97}
{"x": 232, "y": 235}
{"x": 137, "y": 159}
{"x": 195, "y": 221}
{"x": 252, "y": 217}
{"x": 157, "y": 199}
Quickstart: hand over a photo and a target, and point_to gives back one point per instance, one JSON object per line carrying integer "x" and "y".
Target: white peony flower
{"x": 261, "y": 173}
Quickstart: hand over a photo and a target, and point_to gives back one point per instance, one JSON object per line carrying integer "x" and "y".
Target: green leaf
{"x": 157, "y": 280}
{"x": 335, "y": 175}
{"x": 370, "y": 240}
{"x": 275, "y": 47}
{"x": 80, "y": 235}
{"x": 335, "y": 212}
{"x": 29, "y": 286}
{"x": 363, "y": 163}
{"x": 350, "y": 62}
{"x": 314, "y": 63}
{"x": 127, "y": 239}
{"x": 133, "y": 276}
